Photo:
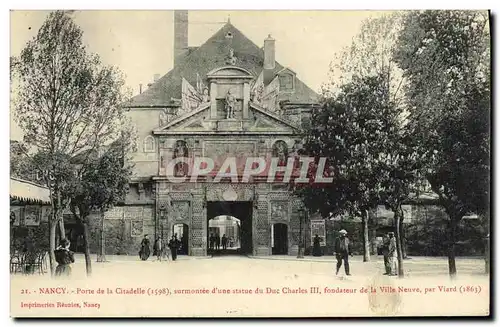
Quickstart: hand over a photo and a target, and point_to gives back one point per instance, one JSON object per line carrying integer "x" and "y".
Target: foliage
{"x": 103, "y": 180}
{"x": 445, "y": 57}
{"x": 67, "y": 103}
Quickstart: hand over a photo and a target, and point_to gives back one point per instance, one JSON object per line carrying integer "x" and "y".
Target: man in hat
{"x": 342, "y": 251}
{"x": 393, "y": 255}
{"x": 385, "y": 253}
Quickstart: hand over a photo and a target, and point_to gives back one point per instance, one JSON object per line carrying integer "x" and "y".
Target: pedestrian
{"x": 158, "y": 248}
{"x": 224, "y": 242}
{"x": 212, "y": 241}
{"x": 64, "y": 257}
{"x": 317, "y": 246}
{"x": 145, "y": 250}
{"x": 173, "y": 245}
{"x": 393, "y": 255}
{"x": 385, "y": 252}
{"x": 342, "y": 251}
{"x": 217, "y": 242}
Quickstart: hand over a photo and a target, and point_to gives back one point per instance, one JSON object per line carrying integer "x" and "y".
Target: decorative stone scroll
{"x": 279, "y": 210}
{"x": 136, "y": 228}
{"x": 180, "y": 210}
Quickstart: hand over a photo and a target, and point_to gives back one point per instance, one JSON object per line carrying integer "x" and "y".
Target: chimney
{"x": 156, "y": 77}
{"x": 180, "y": 34}
{"x": 269, "y": 61}
{"x": 140, "y": 88}
{"x": 269, "y": 50}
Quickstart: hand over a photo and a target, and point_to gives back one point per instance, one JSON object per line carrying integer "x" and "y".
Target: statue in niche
{"x": 205, "y": 96}
{"x": 180, "y": 151}
{"x": 163, "y": 118}
{"x": 230, "y": 104}
{"x": 231, "y": 59}
{"x": 281, "y": 152}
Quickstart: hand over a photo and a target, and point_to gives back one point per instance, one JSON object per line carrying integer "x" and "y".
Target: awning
{"x": 24, "y": 191}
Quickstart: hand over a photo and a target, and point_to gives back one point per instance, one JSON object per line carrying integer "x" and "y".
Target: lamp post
{"x": 300, "y": 253}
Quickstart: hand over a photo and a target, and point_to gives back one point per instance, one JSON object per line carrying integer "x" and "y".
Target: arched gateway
{"x": 226, "y": 100}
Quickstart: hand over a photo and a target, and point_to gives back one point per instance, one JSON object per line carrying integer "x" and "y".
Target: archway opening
{"x": 229, "y": 227}
{"x": 279, "y": 238}
{"x": 182, "y": 231}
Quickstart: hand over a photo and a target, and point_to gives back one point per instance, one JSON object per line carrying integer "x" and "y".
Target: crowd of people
{"x": 161, "y": 250}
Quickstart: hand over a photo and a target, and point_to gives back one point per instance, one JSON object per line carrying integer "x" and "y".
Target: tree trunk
{"x": 402, "y": 234}
{"x": 102, "y": 248}
{"x": 52, "y": 245}
{"x": 88, "y": 261}
{"x": 487, "y": 256}
{"x": 452, "y": 268}
{"x": 366, "y": 239}
{"x": 398, "y": 215}
{"x": 62, "y": 230}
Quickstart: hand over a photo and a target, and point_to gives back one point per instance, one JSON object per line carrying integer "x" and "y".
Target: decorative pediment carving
{"x": 229, "y": 72}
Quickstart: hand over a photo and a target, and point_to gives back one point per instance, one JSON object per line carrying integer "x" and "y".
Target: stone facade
{"x": 221, "y": 99}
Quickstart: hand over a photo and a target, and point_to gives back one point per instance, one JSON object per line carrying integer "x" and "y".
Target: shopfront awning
{"x": 27, "y": 192}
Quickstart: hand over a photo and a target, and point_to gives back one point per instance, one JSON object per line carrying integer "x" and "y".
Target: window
{"x": 149, "y": 144}
{"x": 286, "y": 82}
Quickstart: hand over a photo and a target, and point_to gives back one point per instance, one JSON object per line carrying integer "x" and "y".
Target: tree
{"x": 445, "y": 57}
{"x": 353, "y": 130}
{"x": 102, "y": 183}
{"x": 67, "y": 102}
{"x": 371, "y": 55}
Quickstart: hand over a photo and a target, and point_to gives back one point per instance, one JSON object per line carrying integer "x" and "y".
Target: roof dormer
{"x": 286, "y": 78}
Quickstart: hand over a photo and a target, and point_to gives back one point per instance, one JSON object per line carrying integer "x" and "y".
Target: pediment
{"x": 229, "y": 72}
{"x": 198, "y": 122}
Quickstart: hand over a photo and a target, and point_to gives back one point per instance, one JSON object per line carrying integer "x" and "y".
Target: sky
{"x": 140, "y": 43}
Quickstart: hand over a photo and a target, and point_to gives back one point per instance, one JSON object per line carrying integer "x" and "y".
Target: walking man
{"x": 342, "y": 251}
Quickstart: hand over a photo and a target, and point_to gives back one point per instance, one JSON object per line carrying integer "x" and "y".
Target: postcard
{"x": 250, "y": 163}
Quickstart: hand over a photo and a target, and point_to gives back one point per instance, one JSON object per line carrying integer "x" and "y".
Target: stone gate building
{"x": 227, "y": 97}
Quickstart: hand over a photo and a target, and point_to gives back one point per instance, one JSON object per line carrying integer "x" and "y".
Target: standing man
{"x": 342, "y": 251}
{"x": 145, "y": 250}
{"x": 224, "y": 242}
{"x": 393, "y": 255}
{"x": 174, "y": 245}
{"x": 158, "y": 248}
{"x": 385, "y": 253}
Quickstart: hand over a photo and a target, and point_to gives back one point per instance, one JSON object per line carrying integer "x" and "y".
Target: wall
{"x": 144, "y": 121}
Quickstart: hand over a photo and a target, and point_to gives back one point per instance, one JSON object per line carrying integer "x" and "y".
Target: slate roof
{"x": 210, "y": 55}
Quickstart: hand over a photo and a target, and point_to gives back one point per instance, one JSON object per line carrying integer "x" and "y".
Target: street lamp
{"x": 300, "y": 253}
{"x": 163, "y": 215}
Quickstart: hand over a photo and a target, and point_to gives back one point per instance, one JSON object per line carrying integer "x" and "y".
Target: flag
{"x": 191, "y": 98}
{"x": 270, "y": 96}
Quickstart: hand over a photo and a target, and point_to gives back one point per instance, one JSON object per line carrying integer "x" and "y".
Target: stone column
{"x": 213, "y": 101}
{"x": 246, "y": 99}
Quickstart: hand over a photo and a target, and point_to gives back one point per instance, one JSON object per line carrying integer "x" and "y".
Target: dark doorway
{"x": 280, "y": 239}
{"x": 182, "y": 231}
{"x": 74, "y": 234}
{"x": 233, "y": 219}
